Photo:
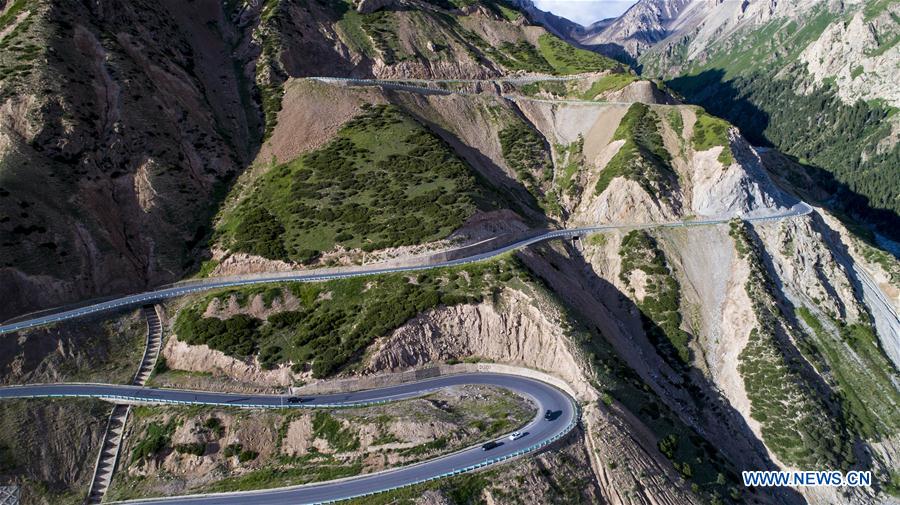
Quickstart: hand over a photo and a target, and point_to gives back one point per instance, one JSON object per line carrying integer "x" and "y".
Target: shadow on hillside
{"x": 616, "y": 52}
{"x": 687, "y": 391}
{"x": 711, "y": 90}
{"x": 796, "y": 359}
{"x": 509, "y": 190}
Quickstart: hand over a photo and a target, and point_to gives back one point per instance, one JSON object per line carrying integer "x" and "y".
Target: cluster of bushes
{"x": 555, "y": 88}
{"x": 382, "y": 29}
{"x": 525, "y": 152}
{"x": 710, "y": 131}
{"x": 195, "y": 448}
{"x": 798, "y": 424}
{"x": 434, "y": 445}
{"x": 643, "y": 157}
{"x": 214, "y": 426}
{"x": 384, "y": 181}
{"x": 570, "y": 157}
{"x": 243, "y": 455}
{"x": 523, "y": 56}
{"x": 259, "y": 233}
{"x": 157, "y": 438}
{"x": 862, "y": 373}
{"x": 341, "y": 439}
{"x": 235, "y": 336}
{"x": 329, "y": 332}
{"x": 676, "y": 121}
{"x": 660, "y": 308}
{"x": 8, "y": 461}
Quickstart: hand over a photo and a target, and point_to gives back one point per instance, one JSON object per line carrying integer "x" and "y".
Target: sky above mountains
{"x": 585, "y": 12}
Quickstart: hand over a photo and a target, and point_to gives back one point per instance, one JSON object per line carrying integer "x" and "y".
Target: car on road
{"x": 548, "y": 415}
{"x": 516, "y": 435}
{"x": 490, "y": 445}
{"x": 295, "y": 399}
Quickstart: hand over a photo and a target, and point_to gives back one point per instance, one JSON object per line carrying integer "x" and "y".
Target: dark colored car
{"x": 548, "y": 415}
{"x": 490, "y": 445}
{"x": 295, "y": 399}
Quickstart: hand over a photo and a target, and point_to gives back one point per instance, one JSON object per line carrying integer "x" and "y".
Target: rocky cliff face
{"x": 639, "y": 28}
{"x": 860, "y": 56}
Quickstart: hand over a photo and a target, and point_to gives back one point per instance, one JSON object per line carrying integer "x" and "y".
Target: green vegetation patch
{"x": 676, "y": 121}
{"x": 555, "y": 88}
{"x": 643, "y": 157}
{"x": 569, "y": 160}
{"x": 709, "y": 132}
{"x": 381, "y": 26}
{"x": 351, "y": 27}
{"x": 798, "y": 424}
{"x": 338, "y": 319}
{"x": 270, "y": 76}
{"x": 567, "y": 59}
{"x": 525, "y": 152}
{"x": 523, "y": 56}
{"x": 157, "y": 439}
{"x": 384, "y": 181}
{"x": 863, "y": 375}
{"x": 607, "y": 83}
{"x": 339, "y": 438}
{"x": 12, "y": 12}
{"x": 660, "y": 314}
{"x": 279, "y": 477}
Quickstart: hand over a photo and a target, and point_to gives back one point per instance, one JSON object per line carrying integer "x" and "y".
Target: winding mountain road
{"x": 224, "y": 282}
{"x": 539, "y": 432}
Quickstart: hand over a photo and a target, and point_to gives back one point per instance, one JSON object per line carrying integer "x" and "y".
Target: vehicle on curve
{"x": 516, "y": 435}
{"x": 490, "y": 445}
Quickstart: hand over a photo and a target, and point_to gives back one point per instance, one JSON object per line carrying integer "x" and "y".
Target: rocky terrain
{"x": 695, "y": 352}
{"x": 99, "y": 349}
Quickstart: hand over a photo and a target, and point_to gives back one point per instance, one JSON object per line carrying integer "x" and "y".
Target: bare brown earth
{"x": 49, "y": 448}
{"x": 97, "y": 349}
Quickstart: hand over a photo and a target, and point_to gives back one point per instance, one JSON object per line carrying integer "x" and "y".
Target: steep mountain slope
{"x": 123, "y": 125}
{"x": 114, "y": 146}
{"x": 695, "y": 352}
{"x": 707, "y": 318}
{"x": 815, "y": 79}
{"x": 640, "y": 28}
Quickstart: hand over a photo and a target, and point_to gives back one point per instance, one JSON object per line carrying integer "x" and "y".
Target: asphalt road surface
{"x": 224, "y": 282}
{"x": 539, "y": 431}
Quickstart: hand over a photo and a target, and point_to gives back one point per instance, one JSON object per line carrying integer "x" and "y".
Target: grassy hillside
{"x": 384, "y": 181}
{"x": 643, "y": 157}
{"x": 267, "y": 448}
{"x": 337, "y": 319}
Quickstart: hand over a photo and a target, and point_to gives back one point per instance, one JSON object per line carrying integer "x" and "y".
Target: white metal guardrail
{"x": 471, "y": 468}
{"x": 489, "y": 462}
{"x": 187, "y": 288}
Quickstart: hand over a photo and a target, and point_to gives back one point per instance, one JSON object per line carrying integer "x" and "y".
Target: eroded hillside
{"x": 695, "y": 350}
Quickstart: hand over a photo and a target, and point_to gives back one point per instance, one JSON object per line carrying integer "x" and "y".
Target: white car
{"x": 517, "y": 435}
